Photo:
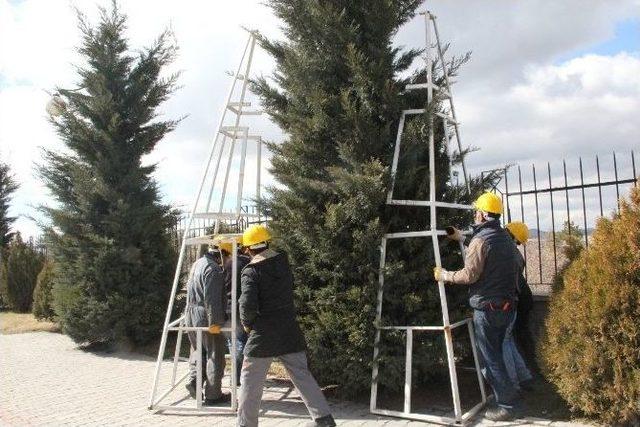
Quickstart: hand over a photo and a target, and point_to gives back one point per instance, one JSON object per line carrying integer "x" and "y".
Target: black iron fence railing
{"x": 556, "y": 205}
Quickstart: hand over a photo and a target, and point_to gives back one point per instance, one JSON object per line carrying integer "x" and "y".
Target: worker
{"x": 491, "y": 271}
{"x": 268, "y": 315}
{"x": 226, "y": 249}
{"x": 521, "y": 332}
{"x": 206, "y": 303}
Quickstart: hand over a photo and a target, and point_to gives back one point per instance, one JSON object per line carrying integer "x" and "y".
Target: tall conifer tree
{"x": 338, "y": 92}
{"x": 8, "y": 186}
{"x": 109, "y": 231}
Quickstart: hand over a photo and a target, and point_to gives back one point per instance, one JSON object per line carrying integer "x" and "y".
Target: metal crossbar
{"x": 233, "y": 131}
{"x": 446, "y": 327}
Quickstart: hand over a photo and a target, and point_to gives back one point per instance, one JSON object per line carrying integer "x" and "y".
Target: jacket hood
{"x": 271, "y": 263}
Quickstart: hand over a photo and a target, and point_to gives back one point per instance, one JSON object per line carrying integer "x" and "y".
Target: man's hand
{"x": 439, "y": 274}
{"x": 454, "y": 234}
{"x": 214, "y": 329}
{"x": 246, "y": 329}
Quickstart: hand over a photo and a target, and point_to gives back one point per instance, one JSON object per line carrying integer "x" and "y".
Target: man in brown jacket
{"x": 491, "y": 272}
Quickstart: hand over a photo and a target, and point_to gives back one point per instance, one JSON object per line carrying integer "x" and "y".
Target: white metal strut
{"x": 449, "y": 119}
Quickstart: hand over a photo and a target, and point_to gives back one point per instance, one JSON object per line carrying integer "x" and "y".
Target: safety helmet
{"x": 225, "y": 245}
{"x": 256, "y": 237}
{"x": 489, "y": 202}
{"x": 519, "y": 231}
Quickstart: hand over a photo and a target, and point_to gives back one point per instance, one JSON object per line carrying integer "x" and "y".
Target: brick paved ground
{"x": 46, "y": 380}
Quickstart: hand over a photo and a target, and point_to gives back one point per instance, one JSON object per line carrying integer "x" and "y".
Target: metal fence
{"x": 562, "y": 192}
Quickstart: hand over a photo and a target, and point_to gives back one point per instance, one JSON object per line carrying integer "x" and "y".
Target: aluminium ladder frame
{"x": 233, "y": 132}
{"x": 447, "y": 327}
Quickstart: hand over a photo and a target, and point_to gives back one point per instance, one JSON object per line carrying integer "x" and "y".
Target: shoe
{"x": 499, "y": 414}
{"x": 224, "y": 398}
{"x": 326, "y": 421}
{"x": 191, "y": 388}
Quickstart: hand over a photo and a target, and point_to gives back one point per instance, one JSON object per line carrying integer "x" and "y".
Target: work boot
{"x": 326, "y": 421}
{"x": 224, "y": 398}
{"x": 191, "y": 388}
{"x": 499, "y": 414}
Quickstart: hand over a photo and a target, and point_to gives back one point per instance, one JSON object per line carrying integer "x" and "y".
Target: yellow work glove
{"x": 438, "y": 274}
{"x": 214, "y": 329}
{"x": 246, "y": 329}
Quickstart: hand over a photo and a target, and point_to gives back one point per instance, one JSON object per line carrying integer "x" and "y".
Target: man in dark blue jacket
{"x": 491, "y": 271}
{"x": 267, "y": 313}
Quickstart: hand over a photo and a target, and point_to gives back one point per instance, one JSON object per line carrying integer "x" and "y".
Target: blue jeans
{"x": 490, "y": 328}
{"x": 241, "y": 340}
{"x": 516, "y": 368}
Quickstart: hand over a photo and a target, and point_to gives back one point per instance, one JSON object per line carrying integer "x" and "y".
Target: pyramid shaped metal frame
{"x": 447, "y": 327}
{"x": 233, "y": 132}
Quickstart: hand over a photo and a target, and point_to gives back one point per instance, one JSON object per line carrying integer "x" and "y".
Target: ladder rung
{"x": 239, "y": 104}
{"x": 236, "y": 135}
{"x": 234, "y": 128}
{"x": 252, "y": 113}
{"x": 418, "y": 86}
{"x": 428, "y": 203}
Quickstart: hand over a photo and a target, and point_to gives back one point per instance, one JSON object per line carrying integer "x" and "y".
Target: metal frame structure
{"x": 225, "y": 132}
{"x": 447, "y": 327}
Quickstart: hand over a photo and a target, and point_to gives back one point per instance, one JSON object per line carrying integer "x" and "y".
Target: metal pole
{"x": 408, "y": 370}
{"x": 396, "y": 156}
{"x": 599, "y": 186}
{"x": 566, "y": 195}
{"x": 243, "y": 157}
{"x": 584, "y": 208}
{"x": 615, "y": 171}
{"x": 377, "y": 324}
{"x": 199, "y": 369}
{"x": 234, "y": 324}
{"x": 259, "y": 153}
{"x": 553, "y": 224}
{"x": 506, "y": 194}
{"x": 535, "y": 188}
{"x": 176, "y": 355}
{"x": 524, "y": 247}
{"x": 453, "y": 110}
{"x": 633, "y": 165}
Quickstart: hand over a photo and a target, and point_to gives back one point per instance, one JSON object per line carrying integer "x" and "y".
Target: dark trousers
{"x": 490, "y": 329}
{"x": 241, "y": 340}
{"x": 524, "y": 340}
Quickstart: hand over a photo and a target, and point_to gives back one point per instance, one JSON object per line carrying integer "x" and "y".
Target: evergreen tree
{"x": 338, "y": 93}
{"x": 8, "y": 186}
{"x": 109, "y": 232}
{"x": 19, "y": 273}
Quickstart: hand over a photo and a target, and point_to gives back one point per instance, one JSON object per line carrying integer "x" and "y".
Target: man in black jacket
{"x": 268, "y": 315}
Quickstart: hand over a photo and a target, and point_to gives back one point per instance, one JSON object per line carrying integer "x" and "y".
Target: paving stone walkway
{"x": 46, "y": 381}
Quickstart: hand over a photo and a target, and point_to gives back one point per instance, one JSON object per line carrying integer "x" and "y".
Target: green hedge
{"x": 42, "y": 298}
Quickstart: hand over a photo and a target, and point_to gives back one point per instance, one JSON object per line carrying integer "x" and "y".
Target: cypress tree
{"x": 338, "y": 92}
{"x": 109, "y": 232}
{"x": 8, "y": 186}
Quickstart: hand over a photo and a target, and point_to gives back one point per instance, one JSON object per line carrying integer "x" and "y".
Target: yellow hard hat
{"x": 489, "y": 202}
{"x": 255, "y": 235}
{"x": 225, "y": 245}
{"x": 519, "y": 230}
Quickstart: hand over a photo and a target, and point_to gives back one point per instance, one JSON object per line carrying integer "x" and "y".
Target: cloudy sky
{"x": 546, "y": 81}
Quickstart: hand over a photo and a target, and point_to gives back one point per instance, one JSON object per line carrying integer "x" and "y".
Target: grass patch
{"x": 19, "y": 323}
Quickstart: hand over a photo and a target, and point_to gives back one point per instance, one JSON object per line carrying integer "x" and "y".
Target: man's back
{"x": 266, "y": 306}
{"x": 205, "y": 292}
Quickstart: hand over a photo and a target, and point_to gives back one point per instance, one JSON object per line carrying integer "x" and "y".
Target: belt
{"x": 503, "y": 306}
